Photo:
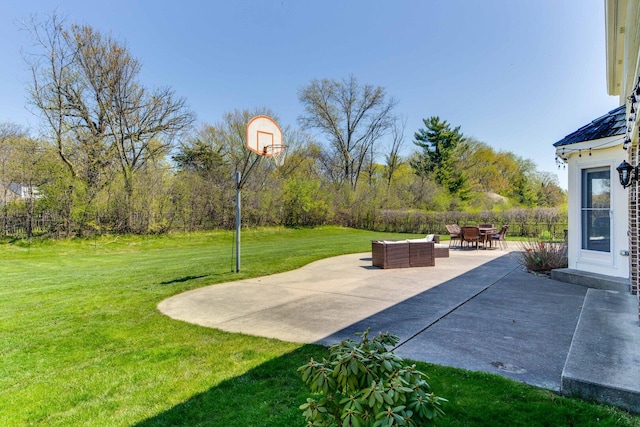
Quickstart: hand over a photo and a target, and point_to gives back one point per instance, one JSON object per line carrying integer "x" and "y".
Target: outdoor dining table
{"x": 486, "y": 234}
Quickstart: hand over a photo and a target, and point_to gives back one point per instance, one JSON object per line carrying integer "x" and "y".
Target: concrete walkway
{"x": 476, "y": 310}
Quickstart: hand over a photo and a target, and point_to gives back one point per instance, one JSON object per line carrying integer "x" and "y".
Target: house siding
{"x": 633, "y": 228}
{"x": 631, "y": 73}
{"x": 634, "y": 255}
{"x": 632, "y": 45}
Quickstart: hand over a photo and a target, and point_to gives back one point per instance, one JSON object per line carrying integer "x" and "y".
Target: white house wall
{"x": 616, "y": 262}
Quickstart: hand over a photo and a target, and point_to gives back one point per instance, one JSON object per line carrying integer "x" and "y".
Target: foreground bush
{"x": 542, "y": 256}
{"x": 365, "y": 384}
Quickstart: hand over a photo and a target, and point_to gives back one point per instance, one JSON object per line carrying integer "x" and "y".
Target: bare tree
{"x": 86, "y": 87}
{"x": 393, "y": 160}
{"x": 52, "y": 73}
{"x": 352, "y": 116}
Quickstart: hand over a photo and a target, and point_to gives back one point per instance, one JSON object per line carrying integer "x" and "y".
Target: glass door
{"x": 596, "y": 209}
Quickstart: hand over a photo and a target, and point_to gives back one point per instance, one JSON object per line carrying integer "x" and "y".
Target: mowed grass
{"x": 82, "y": 343}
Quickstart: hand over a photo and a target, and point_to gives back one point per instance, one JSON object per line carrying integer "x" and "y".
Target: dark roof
{"x": 611, "y": 124}
{"x": 14, "y": 187}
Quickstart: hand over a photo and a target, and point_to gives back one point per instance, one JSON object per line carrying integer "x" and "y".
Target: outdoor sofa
{"x": 407, "y": 253}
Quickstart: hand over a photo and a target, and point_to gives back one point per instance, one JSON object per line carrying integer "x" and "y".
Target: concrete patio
{"x": 477, "y": 310}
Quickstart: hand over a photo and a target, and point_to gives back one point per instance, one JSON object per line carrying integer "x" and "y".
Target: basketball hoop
{"x": 277, "y": 153}
{"x": 264, "y": 138}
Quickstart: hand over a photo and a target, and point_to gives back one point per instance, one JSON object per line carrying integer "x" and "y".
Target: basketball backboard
{"x": 264, "y": 136}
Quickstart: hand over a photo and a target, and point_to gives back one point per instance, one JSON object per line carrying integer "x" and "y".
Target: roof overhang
{"x": 615, "y": 18}
{"x": 565, "y": 151}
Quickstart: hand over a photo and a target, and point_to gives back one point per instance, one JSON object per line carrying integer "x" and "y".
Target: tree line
{"x": 117, "y": 156}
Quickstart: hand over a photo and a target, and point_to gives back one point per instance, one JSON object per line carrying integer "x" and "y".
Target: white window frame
{"x": 585, "y": 211}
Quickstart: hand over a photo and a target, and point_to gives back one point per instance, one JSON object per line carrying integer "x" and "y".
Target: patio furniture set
{"x": 423, "y": 252}
{"x": 485, "y": 234}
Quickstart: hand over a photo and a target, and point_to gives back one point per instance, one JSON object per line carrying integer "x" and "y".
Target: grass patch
{"x": 82, "y": 344}
{"x": 269, "y": 395}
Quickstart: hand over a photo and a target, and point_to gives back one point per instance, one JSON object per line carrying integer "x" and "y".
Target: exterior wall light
{"x": 627, "y": 173}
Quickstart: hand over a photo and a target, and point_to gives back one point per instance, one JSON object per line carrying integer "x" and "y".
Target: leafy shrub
{"x": 303, "y": 204}
{"x": 523, "y": 222}
{"x": 543, "y": 256}
{"x": 366, "y": 384}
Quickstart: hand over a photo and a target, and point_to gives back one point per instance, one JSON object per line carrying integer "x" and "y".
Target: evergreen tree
{"x": 441, "y": 148}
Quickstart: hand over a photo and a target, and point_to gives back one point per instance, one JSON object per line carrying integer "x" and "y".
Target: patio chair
{"x": 486, "y": 226}
{"x": 454, "y": 233}
{"x": 470, "y": 235}
{"x": 500, "y": 238}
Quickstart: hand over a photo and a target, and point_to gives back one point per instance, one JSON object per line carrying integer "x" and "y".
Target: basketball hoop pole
{"x": 238, "y": 201}
{"x": 261, "y": 132}
{"x": 240, "y": 180}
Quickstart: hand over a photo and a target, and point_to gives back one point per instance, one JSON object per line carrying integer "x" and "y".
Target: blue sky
{"x": 518, "y": 75}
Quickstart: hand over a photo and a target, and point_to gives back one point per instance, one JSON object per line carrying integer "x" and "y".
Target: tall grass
{"x": 541, "y": 256}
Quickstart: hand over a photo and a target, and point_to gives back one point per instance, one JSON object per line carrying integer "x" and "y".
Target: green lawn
{"x": 81, "y": 341}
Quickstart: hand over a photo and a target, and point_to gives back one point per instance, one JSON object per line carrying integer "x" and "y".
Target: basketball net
{"x": 277, "y": 153}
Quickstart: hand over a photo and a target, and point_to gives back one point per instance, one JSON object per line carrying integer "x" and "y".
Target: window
{"x": 596, "y": 209}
